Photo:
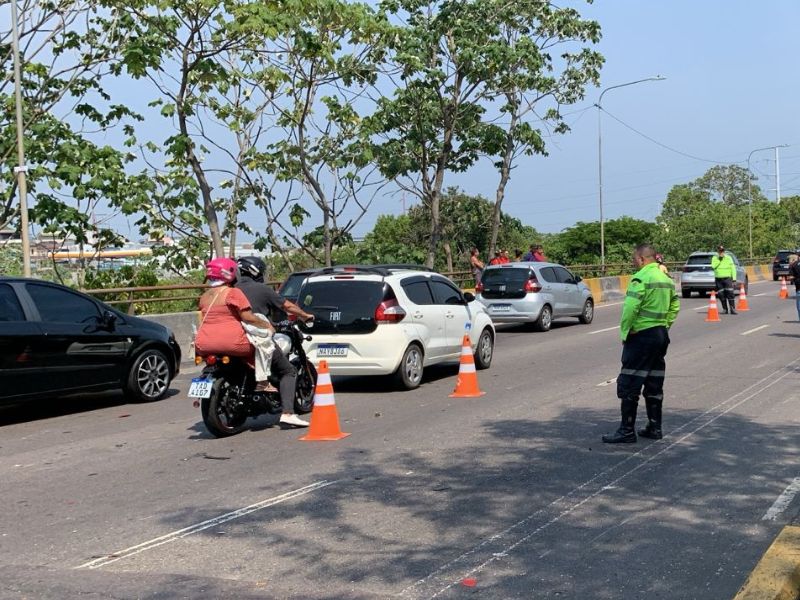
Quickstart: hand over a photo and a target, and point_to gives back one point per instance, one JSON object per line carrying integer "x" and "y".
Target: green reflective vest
{"x": 723, "y": 267}
{"x": 650, "y": 301}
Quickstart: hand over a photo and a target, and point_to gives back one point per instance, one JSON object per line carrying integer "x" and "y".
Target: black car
{"x": 780, "y": 264}
{"x": 55, "y": 341}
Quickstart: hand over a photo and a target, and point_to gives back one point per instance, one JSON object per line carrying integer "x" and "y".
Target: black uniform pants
{"x": 287, "y": 374}
{"x": 643, "y": 365}
{"x": 725, "y": 291}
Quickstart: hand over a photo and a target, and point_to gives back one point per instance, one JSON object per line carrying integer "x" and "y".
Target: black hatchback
{"x": 55, "y": 341}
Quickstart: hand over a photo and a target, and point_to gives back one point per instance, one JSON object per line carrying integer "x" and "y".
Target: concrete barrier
{"x": 181, "y": 325}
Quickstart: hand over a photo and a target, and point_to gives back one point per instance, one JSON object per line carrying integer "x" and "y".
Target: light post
{"x": 599, "y": 106}
{"x": 20, "y": 169}
{"x": 750, "y": 190}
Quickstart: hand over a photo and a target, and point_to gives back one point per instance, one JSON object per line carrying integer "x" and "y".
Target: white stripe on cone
{"x": 467, "y": 368}
{"x": 324, "y": 400}
{"x": 324, "y": 378}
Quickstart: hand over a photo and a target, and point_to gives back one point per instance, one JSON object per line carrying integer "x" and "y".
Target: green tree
{"x": 579, "y": 244}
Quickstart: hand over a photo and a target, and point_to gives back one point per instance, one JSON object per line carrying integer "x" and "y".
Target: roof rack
{"x": 383, "y": 269}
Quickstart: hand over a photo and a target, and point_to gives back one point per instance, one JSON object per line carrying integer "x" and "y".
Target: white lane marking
{"x": 609, "y": 304}
{"x": 602, "y": 330}
{"x": 440, "y": 573}
{"x": 607, "y": 382}
{"x": 783, "y": 501}
{"x": 762, "y": 294}
{"x": 749, "y": 331}
{"x": 186, "y": 531}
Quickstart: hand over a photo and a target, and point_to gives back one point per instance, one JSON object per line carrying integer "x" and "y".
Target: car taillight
{"x": 479, "y": 288}
{"x": 389, "y": 311}
{"x": 532, "y": 285}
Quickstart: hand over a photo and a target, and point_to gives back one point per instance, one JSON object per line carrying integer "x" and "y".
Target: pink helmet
{"x": 221, "y": 269}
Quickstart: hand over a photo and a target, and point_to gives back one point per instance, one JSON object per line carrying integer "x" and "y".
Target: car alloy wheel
{"x": 485, "y": 350}
{"x": 152, "y": 375}
{"x": 409, "y": 373}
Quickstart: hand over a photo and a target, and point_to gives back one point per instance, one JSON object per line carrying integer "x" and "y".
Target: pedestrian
{"x": 794, "y": 273}
{"x": 529, "y": 254}
{"x": 650, "y": 308}
{"x": 504, "y": 260}
{"x": 724, "y": 278}
{"x": 517, "y": 255}
{"x": 538, "y": 254}
{"x": 497, "y": 258}
{"x": 476, "y": 264}
{"x": 661, "y": 265}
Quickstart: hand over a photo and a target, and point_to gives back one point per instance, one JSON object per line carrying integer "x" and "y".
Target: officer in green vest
{"x": 724, "y": 278}
{"x": 650, "y": 308}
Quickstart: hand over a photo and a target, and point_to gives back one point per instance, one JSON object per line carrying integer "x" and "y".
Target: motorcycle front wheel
{"x": 305, "y": 389}
{"x": 219, "y": 411}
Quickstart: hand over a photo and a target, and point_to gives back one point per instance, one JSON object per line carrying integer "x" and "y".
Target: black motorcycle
{"x": 225, "y": 389}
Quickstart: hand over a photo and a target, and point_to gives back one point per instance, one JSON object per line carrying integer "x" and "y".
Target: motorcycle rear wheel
{"x": 305, "y": 389}
{"x": 219, "y": 417}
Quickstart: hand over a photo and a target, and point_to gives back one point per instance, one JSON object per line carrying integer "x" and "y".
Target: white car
{"x": 392, "y": 319}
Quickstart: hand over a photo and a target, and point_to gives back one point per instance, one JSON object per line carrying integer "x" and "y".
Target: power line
{"x": 657, "y": 143}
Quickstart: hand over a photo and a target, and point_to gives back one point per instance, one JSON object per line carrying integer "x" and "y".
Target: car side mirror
{"x": 108, "y": 320}
{"x": 469, "y": 297}
{"x": 578, "y": 278}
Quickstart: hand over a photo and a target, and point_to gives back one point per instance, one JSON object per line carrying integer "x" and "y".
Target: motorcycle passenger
{"x": 263, "y": 298}
{"x": 224, "y": 308}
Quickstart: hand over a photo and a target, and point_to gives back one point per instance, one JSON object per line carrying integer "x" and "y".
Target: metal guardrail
{"x": 463, "y": 278}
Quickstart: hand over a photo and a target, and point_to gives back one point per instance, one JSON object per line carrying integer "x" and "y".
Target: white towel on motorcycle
{"x": 264, "y": 345}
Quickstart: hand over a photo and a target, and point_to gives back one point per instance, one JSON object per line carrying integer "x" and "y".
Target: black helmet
{"x": 253, "y": 267}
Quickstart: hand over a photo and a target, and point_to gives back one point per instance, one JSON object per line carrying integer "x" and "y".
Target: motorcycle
{"x": 225, "y": 390}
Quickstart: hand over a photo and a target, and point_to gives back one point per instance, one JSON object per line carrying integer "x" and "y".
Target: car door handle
{"x": 450, "y": 315}
{"x": 417, "y": 315}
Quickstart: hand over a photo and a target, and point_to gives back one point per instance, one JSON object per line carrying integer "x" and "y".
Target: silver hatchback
{"x": 534, "y": 292}
{"x": 698, "y": 276}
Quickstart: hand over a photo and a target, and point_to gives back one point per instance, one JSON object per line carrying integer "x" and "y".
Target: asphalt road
{"x": 511, "y": 495}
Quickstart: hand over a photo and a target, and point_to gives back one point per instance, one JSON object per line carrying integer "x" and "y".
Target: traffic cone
{"x": 324, "y": 425}
{"x": 713, "y": 311}
{"x": 742, "y": 306}
{"x": 467, "y": 382}
{"x": 784, "y": 293}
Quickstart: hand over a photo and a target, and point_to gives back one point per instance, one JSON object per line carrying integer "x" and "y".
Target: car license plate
{"x": 200, "y": 388}
{"x": 332, "y": 350}
{"x": 501, "y": 308}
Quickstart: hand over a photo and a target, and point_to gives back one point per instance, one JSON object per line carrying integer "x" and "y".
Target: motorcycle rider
{"x": 262, "y": 299}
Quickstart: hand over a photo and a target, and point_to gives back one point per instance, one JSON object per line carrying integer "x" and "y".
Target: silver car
{"x": 698, "y": 276}
{"x": 534, "y": 292}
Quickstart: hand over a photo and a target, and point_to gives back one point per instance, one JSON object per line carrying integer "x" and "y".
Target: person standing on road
{"x": 662, "y": 267}
{"x": 538, "y": 254}
{"x": 529, "y": 254}
{"x": 476, "y": 264}
{"x": 794, "y": 273}
{"x": 724, "y": 278}
{"x": 262, "y": 299}
{"x": 650, "y": 308}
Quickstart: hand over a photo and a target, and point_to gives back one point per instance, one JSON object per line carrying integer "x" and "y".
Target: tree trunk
{"x": 505, "y": 175}
{"x": 448, "y": 253}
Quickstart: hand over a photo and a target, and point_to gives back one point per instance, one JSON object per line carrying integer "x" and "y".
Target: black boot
{"x": 733, "y": 310}
{"x": 724, "y": 305}
{"x": 653, "y": 429}
{"x": 625, "y": 434}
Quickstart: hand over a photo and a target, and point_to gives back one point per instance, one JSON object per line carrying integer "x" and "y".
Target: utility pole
{"x": 777, "y": 176}
{"x": 20, "y": 169}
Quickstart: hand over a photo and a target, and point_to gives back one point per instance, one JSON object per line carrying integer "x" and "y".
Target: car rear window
{"x": 510, "y": 276}
{"x": 342, "y": 306}
{"x": 292, "y": 285}
{"x": 10, "y": 308}
{"x": 782, "y": 256}
{"x": 705, "y": 259}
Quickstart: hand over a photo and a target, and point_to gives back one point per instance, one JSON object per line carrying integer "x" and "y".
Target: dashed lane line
{"x": 603, "y": 330}
{"x": 759, "y": 328}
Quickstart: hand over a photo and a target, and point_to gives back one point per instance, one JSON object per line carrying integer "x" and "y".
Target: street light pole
{"x": 599, "y": 106}
{"x": 750, "y": 189}
{"x": 20, "y": 169}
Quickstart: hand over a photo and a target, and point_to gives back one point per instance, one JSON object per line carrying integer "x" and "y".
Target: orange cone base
{"x": 324, "y": 425}
{"x": 323, "y": 438}
{"x": 478, "y": 395}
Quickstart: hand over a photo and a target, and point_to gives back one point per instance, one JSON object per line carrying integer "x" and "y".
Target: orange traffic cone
{"x": 784, "y": 293}
{"x": 324, "y": 425}
{"x": 742, "y": 306}
{"x": 467, "y": 382}
{"x": 713, "y": 311}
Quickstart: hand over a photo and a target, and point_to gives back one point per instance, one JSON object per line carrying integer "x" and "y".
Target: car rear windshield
{"x": 505, "y": 276}
{"x": 704, "y": 259}
{"x": 342, "y": 305}
{"x": 782, "y": 256}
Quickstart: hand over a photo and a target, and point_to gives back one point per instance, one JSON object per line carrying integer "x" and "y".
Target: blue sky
{"x": 731, "y": 86}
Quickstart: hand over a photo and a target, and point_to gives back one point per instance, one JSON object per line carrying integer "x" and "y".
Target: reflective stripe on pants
{"x": 643, "y": 365}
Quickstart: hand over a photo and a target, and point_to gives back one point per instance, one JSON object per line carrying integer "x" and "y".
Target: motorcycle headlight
{"x": 283, "y": 341}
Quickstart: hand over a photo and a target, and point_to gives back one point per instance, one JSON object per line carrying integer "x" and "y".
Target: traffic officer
{"x": 650, "y": 308}
{"x": 724, "y": 278}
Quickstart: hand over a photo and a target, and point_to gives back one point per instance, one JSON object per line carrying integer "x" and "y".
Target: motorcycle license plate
{"x": 200, "y": 388}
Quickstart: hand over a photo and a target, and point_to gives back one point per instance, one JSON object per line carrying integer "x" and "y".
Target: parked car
{"x": 392, "y": 319}
{"x": 780, "y": 264}
{"x": 55, "y": 341}
{"x": 698, "y": 276}
{"x": 534, "y": 292}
